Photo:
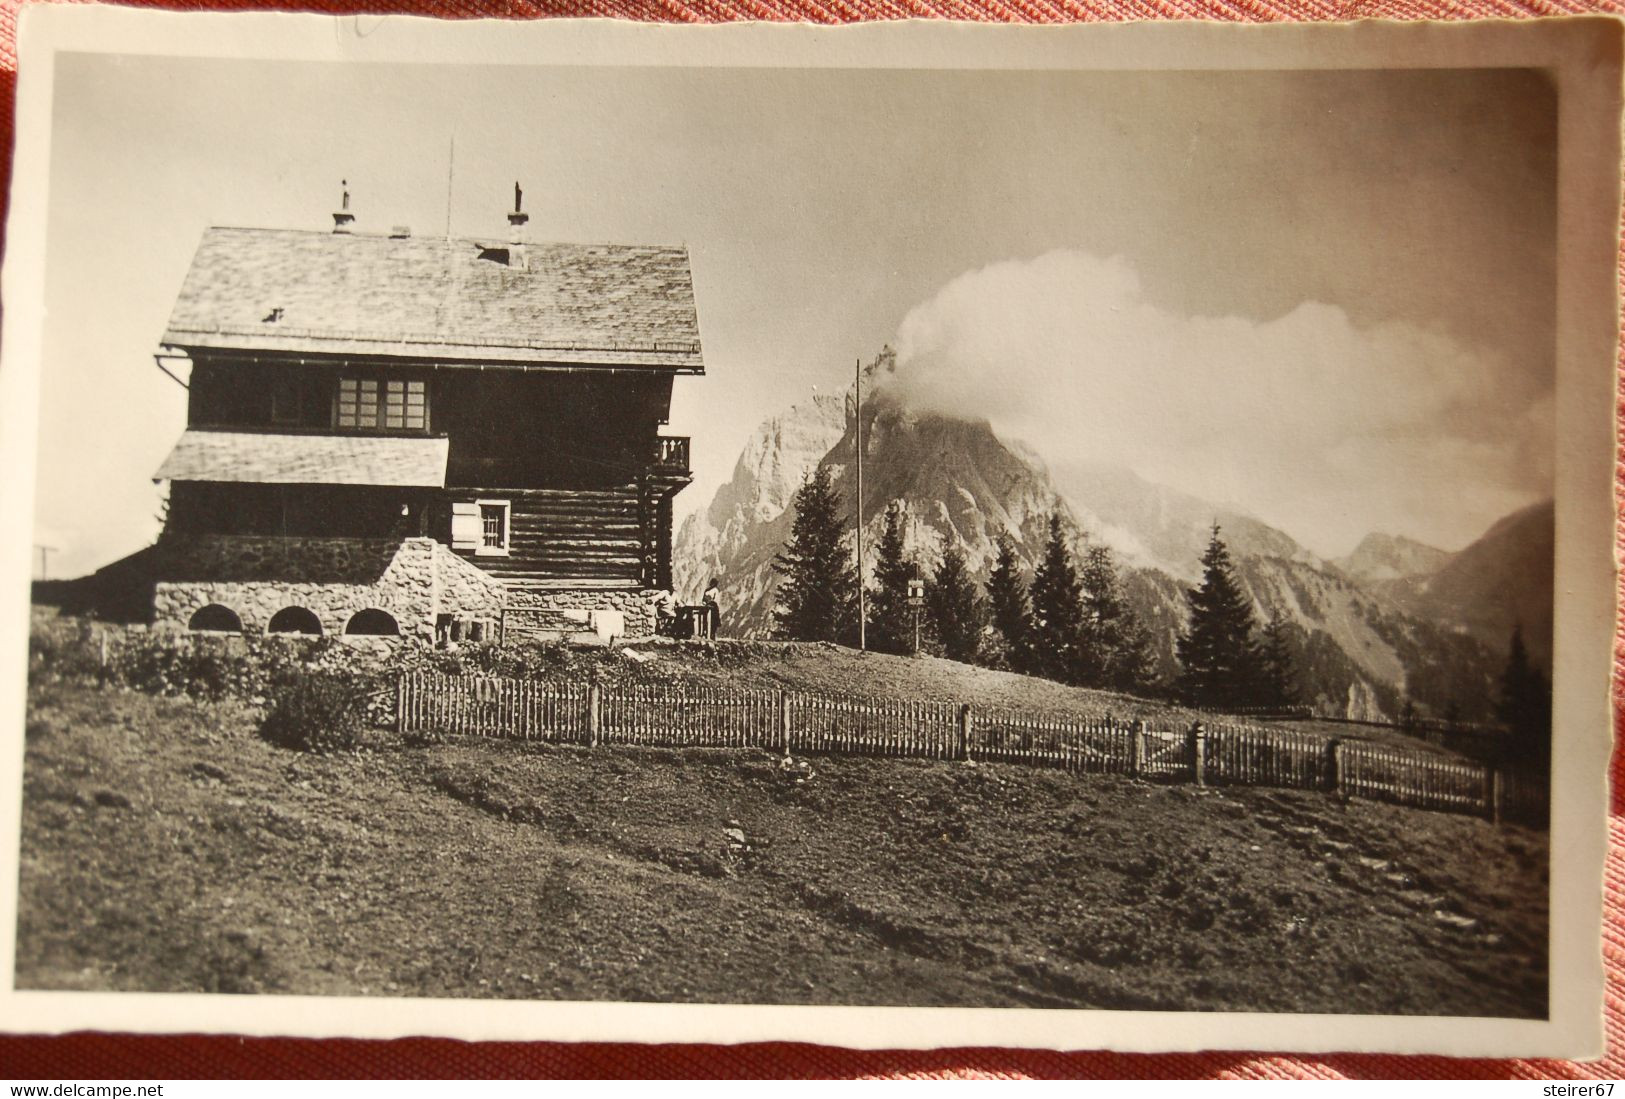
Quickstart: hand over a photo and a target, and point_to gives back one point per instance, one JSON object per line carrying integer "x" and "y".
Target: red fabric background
{"x": 87, "y": 1056}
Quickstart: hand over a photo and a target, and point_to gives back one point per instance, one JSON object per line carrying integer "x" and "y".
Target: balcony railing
{"x": 671, "y": 454}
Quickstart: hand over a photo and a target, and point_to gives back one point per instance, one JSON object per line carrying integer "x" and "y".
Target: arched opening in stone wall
{"x": 215, "y": 618}
{"x": 372, "y": 623}
{"x": 295, "y": 620}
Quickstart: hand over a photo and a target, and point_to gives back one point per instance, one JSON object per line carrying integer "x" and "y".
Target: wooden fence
{"x": 519, "y": 709}
{"x": 1206, "y": 753}
{"x": 668, "y": 717}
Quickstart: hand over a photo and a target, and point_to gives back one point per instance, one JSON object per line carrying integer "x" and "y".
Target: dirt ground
{"x": 166, "y": 848}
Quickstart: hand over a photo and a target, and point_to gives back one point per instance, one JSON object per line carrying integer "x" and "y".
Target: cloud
{"x": 1321, "y": 426}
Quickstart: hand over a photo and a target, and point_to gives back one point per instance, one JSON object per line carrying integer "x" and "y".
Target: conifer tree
{"x": 1133, "y": 668}
{"x": 1116, "y": 651}
{"x": 1218, "y": 653}
{"x": 891, "y": 619}
{"x": 1011, "y": 613}
{"x": 1097, "y": 582}
{"x": 1524, "y": 704}
{"x": 818, "y": 599}
{"x": 1278, "y": 673}
{"x": 955, "y": 609}
{"x": 1057, "y": 599}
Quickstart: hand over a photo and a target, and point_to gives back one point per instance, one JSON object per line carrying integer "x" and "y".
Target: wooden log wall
{"x": 569, "y": 534}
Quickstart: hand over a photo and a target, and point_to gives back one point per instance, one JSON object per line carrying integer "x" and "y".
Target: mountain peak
{"x": 958, "y": 483}
{"x": 1504, "y": 579}
{"x": 1381, "y": 556}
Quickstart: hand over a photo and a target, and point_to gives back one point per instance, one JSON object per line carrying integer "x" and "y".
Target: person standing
{"x": 665, "y": 608}
{"x": 712, "y": 602}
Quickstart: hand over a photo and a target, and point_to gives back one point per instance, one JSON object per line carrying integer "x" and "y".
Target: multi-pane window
{"x": 482, "y": 526}
{"x": 493, "y": 527}
{"x": 369, "y": 404}
{"x": 358, "y": 403}
{"x": 405, "y": 406}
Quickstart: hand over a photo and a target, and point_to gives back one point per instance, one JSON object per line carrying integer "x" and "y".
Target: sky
{"x": 1325, "y": 298}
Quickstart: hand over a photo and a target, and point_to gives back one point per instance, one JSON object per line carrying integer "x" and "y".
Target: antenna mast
{"x": 451, "y": 163}
{"x": 857, "y": 435}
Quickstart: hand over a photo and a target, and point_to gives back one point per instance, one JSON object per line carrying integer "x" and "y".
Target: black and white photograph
{"x": 1067, "y": 537}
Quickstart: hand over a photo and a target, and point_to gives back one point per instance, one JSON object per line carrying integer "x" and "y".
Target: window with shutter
{"x": 465, "y": 526}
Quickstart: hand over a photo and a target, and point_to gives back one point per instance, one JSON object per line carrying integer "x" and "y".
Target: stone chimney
{"x": 342, "y": 218}
{"x": 516, "y": 230}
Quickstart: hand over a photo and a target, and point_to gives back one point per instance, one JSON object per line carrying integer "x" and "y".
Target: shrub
{"x": 67, "y": 651}
{"x": 208, "y": 668}
{"x": 522, "y": 659}
{"x": 318, "y": 712}
{"x": 254, "y": 667}
{"x": 250, "y": 667}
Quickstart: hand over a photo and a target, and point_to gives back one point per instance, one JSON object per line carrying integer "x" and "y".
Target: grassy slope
{"x": 167, "y": 848}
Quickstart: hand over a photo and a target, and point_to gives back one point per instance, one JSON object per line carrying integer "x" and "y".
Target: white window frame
{"x": 484, "y": 550}
{"x": 372, "y": 402}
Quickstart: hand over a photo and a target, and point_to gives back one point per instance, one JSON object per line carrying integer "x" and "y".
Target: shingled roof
{"x": 262, "y": 458}
{"x": 439, "y": 298}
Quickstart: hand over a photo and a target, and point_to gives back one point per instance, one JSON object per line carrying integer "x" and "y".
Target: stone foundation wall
{"x": 417, "y": 581}
{"x": 633, "y": 604}
{"x": 414, "y": 580}
{"x": 249, "y": 558}
{"x": 465, "y": 590}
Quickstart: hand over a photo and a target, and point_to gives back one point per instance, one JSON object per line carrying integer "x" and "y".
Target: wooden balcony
{"x": 671, "y": 455}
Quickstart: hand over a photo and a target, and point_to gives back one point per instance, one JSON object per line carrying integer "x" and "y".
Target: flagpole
{"x": 857, "y": 435}
{"x": 451, "y": 169}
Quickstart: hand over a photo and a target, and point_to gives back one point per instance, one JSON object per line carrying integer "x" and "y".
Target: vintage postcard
{"x": 909, "y": 535}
